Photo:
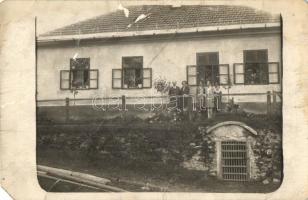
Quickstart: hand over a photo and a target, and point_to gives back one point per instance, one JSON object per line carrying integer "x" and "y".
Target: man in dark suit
{"x": 184, "y": 93}
{"x": 174, "y": 95}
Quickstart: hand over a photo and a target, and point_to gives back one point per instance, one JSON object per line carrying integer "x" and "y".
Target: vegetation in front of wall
{"x": 132, "y": 145}
{"x": 268, "y": 154}
{"x": 167, "y": 144}
{"x": 149, "y": 136}
{"x": 160, "y": 141}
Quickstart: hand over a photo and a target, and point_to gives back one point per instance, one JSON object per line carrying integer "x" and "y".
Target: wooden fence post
{"x": 268, "y": 95}
{"x": 123, "y": 103}
{"x": 67, "y": 109}
{"x": 219, "y": 101}
{"x": 189, "y": 107}
{"x": 274, "y": 101}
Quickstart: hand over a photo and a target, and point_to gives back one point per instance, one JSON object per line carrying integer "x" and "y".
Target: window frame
{"x": 268, "y": 73}
{"x": 123, "y": 68}
{"x": 245, "y": 61}
{"x": 132, "y": 68}
{"x": 199, "y": 65}
{"x": 122, "y": 75}
{"x": 199, "y": 54}
{"x": 70, "y": 71}
{"x": 219, "y": 74}
{"x": 259, "y": 66}
{"x": 218, "y": 65}
{"x": 135, "y": 88}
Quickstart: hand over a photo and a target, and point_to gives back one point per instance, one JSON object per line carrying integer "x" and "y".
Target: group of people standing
{"x": 208, "y": 97}
{"x": 178, "y": 96}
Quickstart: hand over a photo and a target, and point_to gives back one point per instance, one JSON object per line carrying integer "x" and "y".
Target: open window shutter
{"x": 65, "y": 79}
{"x": 147, "y": 78}
{"x": 93, "y": 79}
{"x": 117, "y": 78}
{"x": 223, "y": 74}
{"x": 273, "y": 72}
{"x": 238, "y": 73}
{"x": 192, "y": 75}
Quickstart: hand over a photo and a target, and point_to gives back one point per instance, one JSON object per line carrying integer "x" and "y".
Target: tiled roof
{"x": 163, "y": 17}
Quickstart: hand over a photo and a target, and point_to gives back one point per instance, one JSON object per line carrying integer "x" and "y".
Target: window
{"x": 132, "y": 75}
{"x": 132, "y": 72}
{"x": 208, "y": 69}
{"x": 80, "y": 72}
{"x": 256, "y": 69}
{"x": 234, "y": 160}
{"x": 79, "y": 76}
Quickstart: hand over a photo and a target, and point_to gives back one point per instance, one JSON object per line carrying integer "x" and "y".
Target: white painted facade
{"x": 168, "y": 59}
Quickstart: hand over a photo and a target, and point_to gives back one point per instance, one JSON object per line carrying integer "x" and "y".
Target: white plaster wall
{"x": 167, "y": 59}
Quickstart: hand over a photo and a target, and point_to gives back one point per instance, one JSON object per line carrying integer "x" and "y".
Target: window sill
{"x": 80, "y": 89}
{"x": 246, "y": 84}
{"x": 133, "y": 88}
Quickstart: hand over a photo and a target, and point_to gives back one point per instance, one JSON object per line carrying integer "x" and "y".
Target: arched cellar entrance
{"x": 232, "y": 157}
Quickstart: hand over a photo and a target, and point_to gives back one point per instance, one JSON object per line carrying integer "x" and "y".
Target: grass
{"x": 134, "y": 175}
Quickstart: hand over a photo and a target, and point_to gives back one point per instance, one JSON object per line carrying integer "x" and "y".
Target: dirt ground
{"x": 135, "y": 175}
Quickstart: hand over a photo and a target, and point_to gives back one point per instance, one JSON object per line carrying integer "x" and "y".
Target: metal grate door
{"x": 234, "y": 160}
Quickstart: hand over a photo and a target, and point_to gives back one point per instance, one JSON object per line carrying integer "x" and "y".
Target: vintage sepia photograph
{"x": 148, "y": 97}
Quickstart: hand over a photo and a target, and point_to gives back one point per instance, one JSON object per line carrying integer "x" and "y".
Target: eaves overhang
{"x": 111, "y": 35}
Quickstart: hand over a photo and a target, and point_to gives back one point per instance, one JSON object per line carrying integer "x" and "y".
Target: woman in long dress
{"x": 217, "y": 97}
{"x": 185, "y": 96}
{"x": 210, "y": 100}
{"x": 201, "y": 95}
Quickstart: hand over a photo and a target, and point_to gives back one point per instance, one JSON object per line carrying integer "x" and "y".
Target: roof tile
{"x": 161, "y": 17}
